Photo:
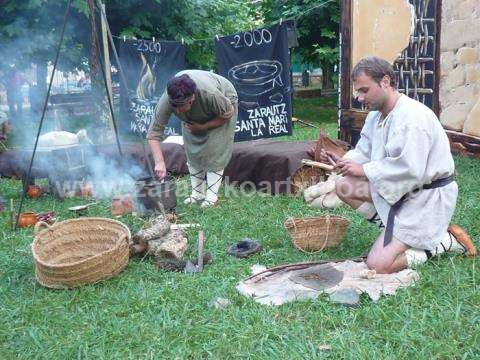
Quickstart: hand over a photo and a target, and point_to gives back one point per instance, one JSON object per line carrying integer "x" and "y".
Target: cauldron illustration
{"x": 257, "y": 77}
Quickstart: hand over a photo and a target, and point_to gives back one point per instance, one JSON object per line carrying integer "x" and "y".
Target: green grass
{"x": 143, "y": 313}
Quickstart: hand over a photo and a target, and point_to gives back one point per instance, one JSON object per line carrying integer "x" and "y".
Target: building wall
{"x": 381, "y": 28}
{"x": 460, "y": 66}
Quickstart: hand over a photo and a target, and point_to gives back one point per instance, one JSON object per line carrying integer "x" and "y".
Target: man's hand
{"x": 349, "y": 167}
{"x": 160, "y": 170}
{"x": 328, "y": 157}
{"x": 195, "y": 128}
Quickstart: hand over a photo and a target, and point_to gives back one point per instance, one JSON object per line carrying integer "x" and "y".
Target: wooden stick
{"x": 106, "y": 60}
{"x": 11, "y": 215}
{"x": 317, "y": 164}
{"x": 274, "y": 270}
{"x": 307, "y": 123}
{"x": 201, "y": 241}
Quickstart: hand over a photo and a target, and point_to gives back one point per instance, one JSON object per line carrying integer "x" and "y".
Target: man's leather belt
{"x": 395, "y": 207}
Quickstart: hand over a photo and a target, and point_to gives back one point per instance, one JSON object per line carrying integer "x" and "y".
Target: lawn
{"x": 144, "y": 313}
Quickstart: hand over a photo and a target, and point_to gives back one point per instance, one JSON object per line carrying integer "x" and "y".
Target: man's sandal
{"x": 463, "y": 239}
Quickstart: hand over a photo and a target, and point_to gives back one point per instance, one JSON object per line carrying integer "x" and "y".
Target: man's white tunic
{"x": 400, "y": 153}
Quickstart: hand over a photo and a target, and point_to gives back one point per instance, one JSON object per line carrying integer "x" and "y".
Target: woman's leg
{"x": 214, "y": 180}
{"x": 197, "y": 180}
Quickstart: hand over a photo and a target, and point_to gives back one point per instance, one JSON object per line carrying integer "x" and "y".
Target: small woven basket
{"x": 313, "y": 234}
{"x": 79, "y": 251}
{"x": 305, "y": 177}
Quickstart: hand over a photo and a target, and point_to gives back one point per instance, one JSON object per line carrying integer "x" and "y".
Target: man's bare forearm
{"x": 156, "y": 150}
{"x": 159, "y": 169}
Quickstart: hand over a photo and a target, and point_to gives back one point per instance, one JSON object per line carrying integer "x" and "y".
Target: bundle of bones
{"x": 323, "y": 194}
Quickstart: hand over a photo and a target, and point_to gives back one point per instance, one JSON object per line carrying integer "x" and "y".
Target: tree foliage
{"x": 318, "y": 28}
{"x": 190, "y": 20}
{"x": 30, "y": 31}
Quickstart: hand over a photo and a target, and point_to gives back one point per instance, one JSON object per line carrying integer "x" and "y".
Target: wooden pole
{"x": 436, "y": 62}
{"x": 344, "y": 132}
{"x": 106, "y": 58}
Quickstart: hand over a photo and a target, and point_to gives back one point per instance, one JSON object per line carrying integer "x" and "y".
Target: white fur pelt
{"x": 323, "y": 195}
{"x": 60, "y": 139}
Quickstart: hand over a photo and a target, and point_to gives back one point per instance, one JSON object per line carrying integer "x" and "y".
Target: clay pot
{"x": 27, "y": 218}
{"x": 117, "y": 207}
{"x": 85, "y": 190}
{"x": 122, "y": 205}
{"x": 127, "y": 203}
{"x": 34, "y": 191}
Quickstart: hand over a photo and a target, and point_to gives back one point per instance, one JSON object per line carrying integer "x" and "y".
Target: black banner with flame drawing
{"x": 148, "y": 65}
{"x": 257, "y": 63}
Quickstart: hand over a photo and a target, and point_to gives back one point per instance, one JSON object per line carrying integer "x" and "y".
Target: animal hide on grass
{"x": 293, "y": 282}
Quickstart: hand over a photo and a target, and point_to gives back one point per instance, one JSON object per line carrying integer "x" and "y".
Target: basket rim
{"x": 83, "y": 219}
{"x": 296, "y": 227}
{"x": 288, "y": 222}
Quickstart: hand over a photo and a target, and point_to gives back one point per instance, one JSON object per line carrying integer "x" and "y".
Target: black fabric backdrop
{"x": 147, "y": 66}
{"x": 257, "y": 63}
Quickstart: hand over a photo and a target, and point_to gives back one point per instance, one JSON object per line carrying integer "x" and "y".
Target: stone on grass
{"x": 257, "y": 268}
{"x": 346, "y": 296}
{"x": 219, "y": 303}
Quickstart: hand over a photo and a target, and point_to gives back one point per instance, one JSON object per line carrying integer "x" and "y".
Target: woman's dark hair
{"x": 376, "y": 68}
{"x": 180, "y": 88}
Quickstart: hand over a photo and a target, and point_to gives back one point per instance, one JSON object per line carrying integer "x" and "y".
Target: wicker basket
{"x": 305, "y": 177}
{"x": 311, "y": 234}
{"x": 79, "y": 251}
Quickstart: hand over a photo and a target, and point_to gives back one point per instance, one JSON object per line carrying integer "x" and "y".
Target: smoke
{"x": 110, "y": 178}
{"x": 30, "y": 37}
{"x": 29, "y": 42}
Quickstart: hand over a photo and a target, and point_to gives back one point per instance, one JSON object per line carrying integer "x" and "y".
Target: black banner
{"x": 257, "y": 63}
{"x": 148, "y": 66}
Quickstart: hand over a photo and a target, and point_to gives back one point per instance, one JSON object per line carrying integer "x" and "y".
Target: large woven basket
{"x": 79, "y": 251}
{"x": 311, "y": 234}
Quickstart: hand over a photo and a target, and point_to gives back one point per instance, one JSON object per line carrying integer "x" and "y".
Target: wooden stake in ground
{"x": 201, "y": 241}
{"x": 12, "y": 215}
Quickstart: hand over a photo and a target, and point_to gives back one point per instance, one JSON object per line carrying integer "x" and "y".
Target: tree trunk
{"x": 42, "y": 77}
{"x": 327, "y": 81}
{"x": 39, "y": 91}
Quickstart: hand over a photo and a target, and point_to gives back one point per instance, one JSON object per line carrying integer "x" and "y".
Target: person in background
{"x": 13, "y": 84}
{"x": 207, "y": 105}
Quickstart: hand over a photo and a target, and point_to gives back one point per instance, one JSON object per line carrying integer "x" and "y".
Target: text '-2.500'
{"x": 148, "y": 46}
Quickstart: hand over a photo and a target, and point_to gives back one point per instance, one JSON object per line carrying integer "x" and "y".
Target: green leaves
{"x": 35, "y": 24}
{"x": 30, "y": 31}
{"x": 329, "y": 33}
{"x": 318, "y": 29}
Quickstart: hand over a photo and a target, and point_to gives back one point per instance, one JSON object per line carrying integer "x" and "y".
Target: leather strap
{"x": 395, "y": 207}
